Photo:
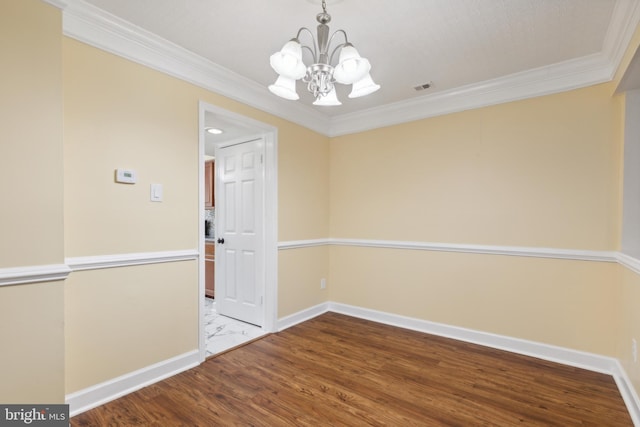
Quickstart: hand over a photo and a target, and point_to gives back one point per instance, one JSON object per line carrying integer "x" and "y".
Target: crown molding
{"x": 555, "y": 78}
{"x": 60, "y": 4}
{"x": 91, "y": 25}
{"x": 624, "y": 21}
{"x": 563, "y": 76}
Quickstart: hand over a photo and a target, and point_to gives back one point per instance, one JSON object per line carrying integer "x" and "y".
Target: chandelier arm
{"x": 346, "y": 41}
{"x": 314, "y": 52}
{"x": 335, "y": 50}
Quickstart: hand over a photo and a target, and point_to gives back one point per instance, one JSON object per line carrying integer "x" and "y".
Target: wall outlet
{"x": 323, "y": 283}
{"x": 634, "y": 349}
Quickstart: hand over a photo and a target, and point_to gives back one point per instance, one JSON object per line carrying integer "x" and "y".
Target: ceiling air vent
{"x": 423, "y": 86}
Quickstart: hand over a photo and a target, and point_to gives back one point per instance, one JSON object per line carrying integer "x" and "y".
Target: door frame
{"x": 270, "y": 218}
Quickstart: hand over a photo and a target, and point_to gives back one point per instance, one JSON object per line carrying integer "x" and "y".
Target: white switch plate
{"x": 156, "y": 192}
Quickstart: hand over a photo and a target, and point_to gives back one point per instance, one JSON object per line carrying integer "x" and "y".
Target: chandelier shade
{"x": 328, "y": 100}
{"x": 351, "y": 67}
{"x": 285, "y": 88}
{"x": 321, "y": 75}
{"x": 288, "y": 62}
{"x": 363, "y": 87}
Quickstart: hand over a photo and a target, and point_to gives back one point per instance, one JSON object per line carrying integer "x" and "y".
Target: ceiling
{"x": 473, "y": 52}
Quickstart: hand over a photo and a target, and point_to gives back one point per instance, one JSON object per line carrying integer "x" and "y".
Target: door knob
{"x": 221, "y": 241}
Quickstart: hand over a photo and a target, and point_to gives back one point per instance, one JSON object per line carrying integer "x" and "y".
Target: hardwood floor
{"x": 336, "y": 370}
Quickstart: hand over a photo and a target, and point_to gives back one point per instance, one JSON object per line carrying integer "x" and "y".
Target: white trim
{"x": 202, "y": 339}
{"x": 98, "y": 28}
{"x": 623, "y": 24}
{"x": 295, "y": 244}
{"x": 628, "y": 392}
{"x": 555, "y": 253}
{"x": 564, "y": 76}
{"x": 54, "y": 272}
{"x": 630, "y": 262}
{"x": 94, "y": 26}
{"x": 107, "y": 391}
{"x": 125, "y": 260}
{"x": 33, "y": 274}
{"x": 270, "y": 206}
{"x": 565, "y": 356}
{"x": 579, "y": 359}
{"x": 60, "y": 4}
{"x": 302, "y": 316}
{"x": 574, "y": 254}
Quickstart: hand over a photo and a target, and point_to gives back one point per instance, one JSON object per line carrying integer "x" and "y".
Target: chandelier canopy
{"x": 321, "y": 76}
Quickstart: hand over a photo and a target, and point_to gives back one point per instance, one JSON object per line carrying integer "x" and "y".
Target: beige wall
{"x": 121, "y": 114}
{"x": 629, "y": 281}
{"x": 32, "y": 336}
{"x": 119, "y": 320}
{"x": 31, "y": 330}
{"x": 31, "y": 149}
{"x": 630, "y": 323}
{"x": 303, "y": 184}
{"x": 542, "y": 172}
{"x": 300, "y": 273}
{"x": 303, "y": 213}
{"x": 571, "y": 304}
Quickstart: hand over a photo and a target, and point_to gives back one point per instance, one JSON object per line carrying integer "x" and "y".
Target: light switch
{"x": 156, "y": 192}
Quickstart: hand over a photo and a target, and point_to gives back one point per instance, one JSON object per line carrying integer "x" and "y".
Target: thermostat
{"x": 126, "y": 176}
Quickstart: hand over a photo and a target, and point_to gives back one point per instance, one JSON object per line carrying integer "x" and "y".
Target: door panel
{"x": 240, "y": 281}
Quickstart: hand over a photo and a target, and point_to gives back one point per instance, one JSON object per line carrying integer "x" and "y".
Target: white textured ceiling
{"x": 452, "y": 43}
{"x": 462, "y": 46}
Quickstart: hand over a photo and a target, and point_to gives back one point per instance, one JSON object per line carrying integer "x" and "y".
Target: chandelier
{"x": 321, "y": 76}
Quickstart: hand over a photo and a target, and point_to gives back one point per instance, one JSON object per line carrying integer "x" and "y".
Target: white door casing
{"x": 270, "y": 215}
{"x": 240, "y": 286}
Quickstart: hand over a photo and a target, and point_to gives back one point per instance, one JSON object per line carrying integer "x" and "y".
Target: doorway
{"x": 242, "y": 129}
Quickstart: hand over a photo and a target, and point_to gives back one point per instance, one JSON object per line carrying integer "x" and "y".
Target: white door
{"x": 239, "y": 232}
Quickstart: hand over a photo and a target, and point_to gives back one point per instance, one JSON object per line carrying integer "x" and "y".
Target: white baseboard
{"x": 99, "y": 394}
{"x": 579, "y": 359}
{"x": 301, "y": 316}
{"x": 628, "y": 393}
{"x": 107, "y": 391}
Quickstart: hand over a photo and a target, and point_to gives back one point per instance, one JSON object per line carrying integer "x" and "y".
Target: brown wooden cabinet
{"x": 209, "y": 269}
{"x": 209, "y": 187}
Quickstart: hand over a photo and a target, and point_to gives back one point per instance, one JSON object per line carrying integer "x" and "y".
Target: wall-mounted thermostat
{"x": 125, "y": 176}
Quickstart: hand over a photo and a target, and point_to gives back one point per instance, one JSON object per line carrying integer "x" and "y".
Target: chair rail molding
{"x": 124, "y": 260}
{"x": 33, "y": 274}
{"x": 523, "y": 251}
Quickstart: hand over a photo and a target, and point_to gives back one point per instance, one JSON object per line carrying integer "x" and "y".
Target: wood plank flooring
{"x": 336, "y": 370}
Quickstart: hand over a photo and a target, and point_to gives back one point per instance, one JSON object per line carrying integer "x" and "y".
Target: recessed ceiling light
{"x": 214, "y": 131}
